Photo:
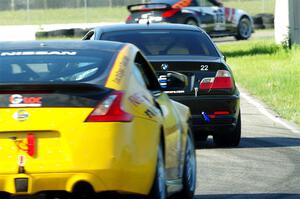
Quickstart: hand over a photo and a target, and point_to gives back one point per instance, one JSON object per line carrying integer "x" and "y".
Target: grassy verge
{"x": 252, "y": 7}
{"x": 63, "y": 16}
{"x": 268, "y": 72}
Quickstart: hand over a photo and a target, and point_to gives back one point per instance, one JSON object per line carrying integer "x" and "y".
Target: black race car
{"x": 215, "y": 19}
{"x": 211, "y": 93}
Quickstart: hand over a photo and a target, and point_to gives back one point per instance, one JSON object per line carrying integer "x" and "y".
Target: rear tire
{"x": 159, "y": 189}
{"x": 244, "y": 29}
{"x": 83, "y": 190}
{"x": 189, "y": 172}
{"x": 229, "y": 139}
{"x": 192, "y": 22}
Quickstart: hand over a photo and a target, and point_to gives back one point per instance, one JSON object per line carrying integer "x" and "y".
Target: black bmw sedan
{"x": 211, "y": 94}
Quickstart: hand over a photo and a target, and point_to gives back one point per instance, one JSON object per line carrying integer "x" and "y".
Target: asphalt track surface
{"x": 258, "y": 34}
{"x": 266, "y": 165}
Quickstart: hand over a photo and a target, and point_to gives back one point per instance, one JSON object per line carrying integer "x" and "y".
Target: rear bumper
{"x": 116, "y": 157}
{"x": 209, "y": 105}
{"x": 124, "y": 181}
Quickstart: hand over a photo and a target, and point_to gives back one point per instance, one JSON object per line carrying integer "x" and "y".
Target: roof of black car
{"x": 59, "y": 45}
{"x": 153, "y": 26}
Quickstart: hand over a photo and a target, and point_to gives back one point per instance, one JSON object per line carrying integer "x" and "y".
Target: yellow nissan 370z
{"x": 84, "y": 118}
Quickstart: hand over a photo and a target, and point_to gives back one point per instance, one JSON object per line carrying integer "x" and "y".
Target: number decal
{"x": 204, "y": 67}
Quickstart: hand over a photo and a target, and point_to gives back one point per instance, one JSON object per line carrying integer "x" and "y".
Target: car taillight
{"x": 170, "y": 13}
{"x": 222, "y": 80}
{"x": 110, "y": 110}
{"x": 129, "y": 18}
{"x": 219, "y": 113}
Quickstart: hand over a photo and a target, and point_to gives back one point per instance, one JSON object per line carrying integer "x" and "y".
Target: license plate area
{"x": 21, "y": 185}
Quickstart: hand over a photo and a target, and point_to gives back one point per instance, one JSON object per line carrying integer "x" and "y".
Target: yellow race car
{"x": 89, "y": 117}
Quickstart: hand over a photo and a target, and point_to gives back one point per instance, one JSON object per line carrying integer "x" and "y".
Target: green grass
{"x": 253, "y": 7}
{"x": 104, "y": 14}
{"x": 269, "y": 72}
{"x": 63, "y": 16}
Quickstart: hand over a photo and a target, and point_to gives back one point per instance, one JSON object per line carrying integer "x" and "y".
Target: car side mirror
{"x": 174, "y": 81}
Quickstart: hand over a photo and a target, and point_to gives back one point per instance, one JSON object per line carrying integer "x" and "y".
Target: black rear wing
{"x": 51, "y": 87}
{"x": 52, "y": 95}
{"x": 148, "y": 7}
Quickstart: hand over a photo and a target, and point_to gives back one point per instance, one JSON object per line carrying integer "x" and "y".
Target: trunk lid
{"x": 196, "y": 68}
{"x": 52, "y": 114}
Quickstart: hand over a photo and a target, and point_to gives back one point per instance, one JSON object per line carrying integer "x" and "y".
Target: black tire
{"x": 159, "y": 189}
{"x": 229, "y": 139}
{"x": 192, "y": 22}
{"x": 189, "y": 172}
{"x": 83, "y": 190}
{"x": 244, "y": 29}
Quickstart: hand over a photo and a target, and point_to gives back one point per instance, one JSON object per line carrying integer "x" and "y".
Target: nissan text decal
{"x": 17, "y": 100}
{"x": 29, "y": 53}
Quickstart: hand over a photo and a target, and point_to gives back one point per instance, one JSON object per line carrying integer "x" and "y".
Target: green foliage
{"x": 268, "y": 71}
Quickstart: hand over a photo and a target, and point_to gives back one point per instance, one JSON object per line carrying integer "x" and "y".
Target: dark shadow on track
{"x": 250, "y": 196}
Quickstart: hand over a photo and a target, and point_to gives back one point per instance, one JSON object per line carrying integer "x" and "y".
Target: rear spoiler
{"x": 148, "y": 7}
{"x": 51, "y": 87}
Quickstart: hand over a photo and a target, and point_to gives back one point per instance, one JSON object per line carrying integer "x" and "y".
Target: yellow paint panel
{"x": 121, "y": 69}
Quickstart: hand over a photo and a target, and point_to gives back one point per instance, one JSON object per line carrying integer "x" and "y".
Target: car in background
{"x": 211, "y": 92}
{"x": 216, "y": 21}
{"x": 89, "y": 116}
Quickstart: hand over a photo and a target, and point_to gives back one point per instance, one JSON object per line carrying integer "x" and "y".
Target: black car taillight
{"x": 222, "y": 80}
{"x": 110, "y": 110}
{"x": 129, "y": 18}
{"x": 170, "y": 13}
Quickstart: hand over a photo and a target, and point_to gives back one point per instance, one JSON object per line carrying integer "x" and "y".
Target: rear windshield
{"x": 166, "y": 42}
{"x": 53, "y": 66}
{"x": 171, "y": 2}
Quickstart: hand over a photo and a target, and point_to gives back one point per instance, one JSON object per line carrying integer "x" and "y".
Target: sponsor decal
{"x": 30, "y": 53}
{"x": 163, "y": 81}
{"x": 170, "y": 92}
{"x": 136, "y": 99}
{"x": 25, "y": 145}
{"x": 21, "y": 115}
{"x": 21, "y": 160}
{"x": 150, "y": 113}
{"x": 182, "y": 4}
{"x": 230, "y": 14}
{"x": 17, "y": 100}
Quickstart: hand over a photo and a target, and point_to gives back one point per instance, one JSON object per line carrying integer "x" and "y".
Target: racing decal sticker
{"x": 182, "y": 4}
{"x": 150, "y": 112}
{"x": 118, "y": 72}
{"x": 21, "y": 160}
{"x": 26, "y": 145}
{"x": 175, "y": 92}
{"x": 42, "y": 53}
{"x": 137, "y": 99}
{"x": 229, "y": 14}
{"x": 17, "y": 100}
{"x": 140, "y": 100}
{"x": 21, "y": 115}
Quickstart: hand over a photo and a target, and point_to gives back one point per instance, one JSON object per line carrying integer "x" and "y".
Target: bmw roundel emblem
{"x": 164, "y": 66}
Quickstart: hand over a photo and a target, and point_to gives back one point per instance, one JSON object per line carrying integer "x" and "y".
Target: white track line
{"x": 264, "y": 111}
